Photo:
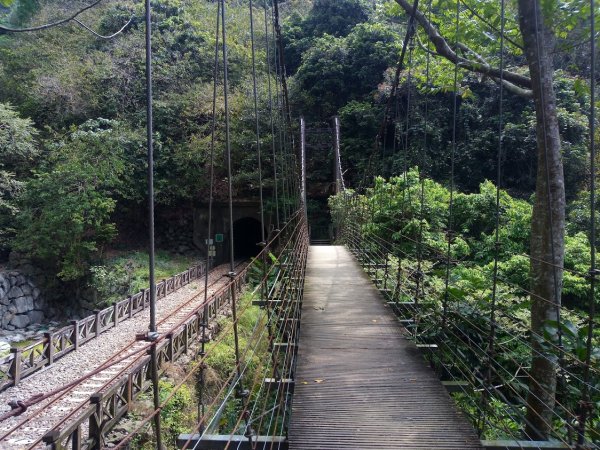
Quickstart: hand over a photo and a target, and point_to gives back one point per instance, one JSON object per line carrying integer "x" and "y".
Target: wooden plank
{"x": 360, "y": 383}
{"x": 512, "y": 444}
{"x": 287, "y": 383}
{"x": 221, "y": 441}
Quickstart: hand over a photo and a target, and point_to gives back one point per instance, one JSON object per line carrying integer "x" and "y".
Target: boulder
{"x": 15, "y": 292}
{"x": 20, "y": 321}
{"x": 39, "y": 303}
{"x": 24, "y": 304}
{"x": 36, "y": 316}
{"x": 6, "y": 319}
{"x": 26, "y": 288}
{"x": 4, "y": 281}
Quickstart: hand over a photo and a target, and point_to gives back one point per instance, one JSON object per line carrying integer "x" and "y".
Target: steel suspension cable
{"x": 281, "y": 59}
{"x": 492, "y": 331}
{"x": 406, "y": 190}
{"x": 202, "y": 353}
{"x": 256, "y": 116}
{"x": 270, "y": 92}
{"x": 230, "y": 186}
{"x": 281, "y": 123}
{"x": 396, "y": 137}
{"x": 586, "y": 405}
{"x": 422, "y": 172}
{"x": 452, "y": 157}
{"x": 152, "y": 333}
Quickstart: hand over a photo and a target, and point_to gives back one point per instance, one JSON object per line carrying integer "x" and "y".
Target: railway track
{"x": 26, "y": 430}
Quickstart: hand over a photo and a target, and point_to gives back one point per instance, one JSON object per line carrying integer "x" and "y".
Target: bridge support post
{"x": 96, "y": 422}
{"x": 50, "y": 349}
{"x": 75, "y": 338}
{"x": 337, "y": 163}
{"x": 15, "y": 368}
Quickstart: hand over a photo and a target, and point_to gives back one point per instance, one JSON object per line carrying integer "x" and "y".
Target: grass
{"x": 166, "y": 265}
{"x": 127, "y": 273}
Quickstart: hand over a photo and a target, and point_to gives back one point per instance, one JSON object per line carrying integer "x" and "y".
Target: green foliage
{"x": 18, "y": 152}
{"x": 336, "y": 70}
{"x": 9, "y": 190}
{"x": 393, "y": 210}
{"x": 177, "y": 416}
{"x": 127, "y": 273}
{"x": 18, "y": 146}
{"x": 66, "y": 210}
{"x": 395, "y": 218}
{"x": 326, "y": 17}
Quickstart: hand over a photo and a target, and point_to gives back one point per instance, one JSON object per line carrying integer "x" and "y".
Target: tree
{"x": 332, "y": 17}
{"x": 336, "y": 70}
{"x": 548, "y": 220}
{"x": 66, "y": 210}
{"x": 18, "y": 151}
{"x": 18, "y": 148}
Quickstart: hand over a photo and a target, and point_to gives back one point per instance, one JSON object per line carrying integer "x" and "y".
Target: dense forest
{"x": 73, "y": 130}
{"x": 73, "y": 111}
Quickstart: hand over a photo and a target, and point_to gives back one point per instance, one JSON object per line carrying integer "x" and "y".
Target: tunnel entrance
{"x": 246, "y": 236}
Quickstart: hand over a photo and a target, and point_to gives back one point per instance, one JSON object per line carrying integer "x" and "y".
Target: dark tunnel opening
{"x": 246, "y": 236}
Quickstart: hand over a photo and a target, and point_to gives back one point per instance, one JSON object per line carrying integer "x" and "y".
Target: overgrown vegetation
{"x": 72, "y": 126}
{"x": 180, "y": 415}
{"x": 127, "y": 273}
{"x": 416, "y": 235}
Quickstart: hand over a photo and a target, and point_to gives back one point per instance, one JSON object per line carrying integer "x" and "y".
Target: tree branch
{"x": 83, "y": 25}
{"x": 5, "y": 29}
{"x": 442, "y": 47}
{"x": 425, "y": 49}
{"x": 528, "y": 93}
{"x": 491, "y": 27}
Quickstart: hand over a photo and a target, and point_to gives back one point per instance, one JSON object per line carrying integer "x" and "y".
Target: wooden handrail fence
{"x": 106, "y": 408}
{"x": 22, "y": 362}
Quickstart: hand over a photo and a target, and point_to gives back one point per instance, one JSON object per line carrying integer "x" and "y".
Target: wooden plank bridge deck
{"x": 359, "y": 383}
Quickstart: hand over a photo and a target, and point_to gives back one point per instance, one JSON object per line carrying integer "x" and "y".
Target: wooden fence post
{"x": 96, "y": 422}
{"x": 75, "y": 325}
{"x": 98, "y": 328}
{"x": 51, "y": 440}
{"x": 15, "y": 367}
{"x": 49, "y": 349}
{"x": 115, "y": 311}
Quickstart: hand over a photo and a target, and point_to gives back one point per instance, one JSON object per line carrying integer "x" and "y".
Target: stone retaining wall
{"x": 21, "y": 303}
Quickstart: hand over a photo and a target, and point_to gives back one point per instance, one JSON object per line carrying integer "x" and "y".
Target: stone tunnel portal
{"x": 246, "y": 237}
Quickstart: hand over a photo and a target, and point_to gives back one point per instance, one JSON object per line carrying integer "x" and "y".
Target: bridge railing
{"x": 267, "y": 359}
{"x": 484, "y": 360}
{"x": 89, "y": 427}
{"x": 280, "y": 270}
{"x": 24, "y": 361}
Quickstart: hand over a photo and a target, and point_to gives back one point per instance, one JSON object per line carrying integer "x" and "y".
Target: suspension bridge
{"x": 326, "y": 346}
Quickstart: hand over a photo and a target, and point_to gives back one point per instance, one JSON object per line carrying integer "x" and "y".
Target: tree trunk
{"x": 547, "y": 222}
